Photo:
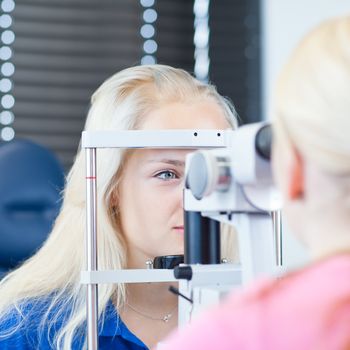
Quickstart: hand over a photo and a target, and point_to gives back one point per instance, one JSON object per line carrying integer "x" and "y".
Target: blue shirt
{"x": 114, "y": 334}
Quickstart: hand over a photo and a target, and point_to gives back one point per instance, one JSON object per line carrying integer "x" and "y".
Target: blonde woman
{"x": 42, "y": 303}
{"x": 310, "y": 308}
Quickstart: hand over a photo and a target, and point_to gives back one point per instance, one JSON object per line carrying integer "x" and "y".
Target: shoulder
{"x": 300, "y": 306}
{"x": 29, "y": 325}
{"x": 16, "y": 330}
{"x": 300, "y": 286}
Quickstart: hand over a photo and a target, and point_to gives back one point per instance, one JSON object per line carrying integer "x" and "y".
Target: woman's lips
{"x": 179, "y": 228}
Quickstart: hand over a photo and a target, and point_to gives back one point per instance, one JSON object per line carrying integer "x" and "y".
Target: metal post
{"x": 91, "y": 248}
{"x": 277, "y": 233}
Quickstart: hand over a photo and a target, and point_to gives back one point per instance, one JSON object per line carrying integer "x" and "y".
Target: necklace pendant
{"x": 166, "y": 318}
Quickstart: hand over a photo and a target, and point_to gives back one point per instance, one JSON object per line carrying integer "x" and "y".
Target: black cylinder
{"x": 263, "y": 142}
{"x": 202, "y": 239}
{"x": 214, "y": 242}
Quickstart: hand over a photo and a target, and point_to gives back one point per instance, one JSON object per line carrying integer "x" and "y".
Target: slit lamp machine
{"x": 227, "y": 180}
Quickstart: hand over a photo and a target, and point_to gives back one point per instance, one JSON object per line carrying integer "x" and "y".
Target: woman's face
{"x": 150, "y": 192}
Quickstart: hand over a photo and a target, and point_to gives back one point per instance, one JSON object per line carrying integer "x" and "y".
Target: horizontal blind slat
{"x": 62, "y": 52}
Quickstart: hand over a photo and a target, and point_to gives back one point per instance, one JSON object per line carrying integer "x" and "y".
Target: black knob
{"x": 183, "y": 273}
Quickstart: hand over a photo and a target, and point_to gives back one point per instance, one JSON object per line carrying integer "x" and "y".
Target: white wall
{"x": 284, "y": 23}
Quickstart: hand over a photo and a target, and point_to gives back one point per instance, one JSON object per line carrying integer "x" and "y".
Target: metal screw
{"x": 149, "y": 264}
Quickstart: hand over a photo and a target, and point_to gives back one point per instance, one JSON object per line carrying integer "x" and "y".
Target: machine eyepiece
{"x": 263, "y": 142}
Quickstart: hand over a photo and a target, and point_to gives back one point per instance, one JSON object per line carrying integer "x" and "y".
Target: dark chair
{"x": 31, "y": 181}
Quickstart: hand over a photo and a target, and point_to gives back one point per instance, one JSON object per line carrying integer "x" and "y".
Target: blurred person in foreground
{"x": 310, "y": 308}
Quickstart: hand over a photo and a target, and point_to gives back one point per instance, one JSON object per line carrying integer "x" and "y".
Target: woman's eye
{"x": 167, "y": 175}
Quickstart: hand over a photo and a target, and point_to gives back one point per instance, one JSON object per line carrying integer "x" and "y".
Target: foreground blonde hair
{"x": 54, "y": 271}
{"x": 313, "y": 95}
{"x": 313, "y": 115}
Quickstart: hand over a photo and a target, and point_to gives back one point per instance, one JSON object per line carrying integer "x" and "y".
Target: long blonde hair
{"x": 54, "y": 271}
{"x": 313, "y": 94}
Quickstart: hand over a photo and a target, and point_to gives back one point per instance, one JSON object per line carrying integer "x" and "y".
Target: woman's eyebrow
{"x": 168, "y": 161}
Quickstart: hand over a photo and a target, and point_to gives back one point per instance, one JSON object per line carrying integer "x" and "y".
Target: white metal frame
{"x": 91, "y": 141}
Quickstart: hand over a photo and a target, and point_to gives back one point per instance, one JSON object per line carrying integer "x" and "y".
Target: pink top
{"x": 309, "y": 309}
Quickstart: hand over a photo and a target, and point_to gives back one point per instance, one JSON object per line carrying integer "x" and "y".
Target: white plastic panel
{"x": 156, "y": 139}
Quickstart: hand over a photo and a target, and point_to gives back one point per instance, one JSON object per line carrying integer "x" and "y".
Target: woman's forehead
{"x": 205, "y": 114}
{"x": 176, "y": 157}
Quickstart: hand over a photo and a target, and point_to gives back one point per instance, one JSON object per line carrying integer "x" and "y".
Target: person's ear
{"x": 113, "y": 202}
{"x": 296, "y": 181}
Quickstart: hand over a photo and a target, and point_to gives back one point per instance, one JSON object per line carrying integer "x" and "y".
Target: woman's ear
{"x": 296, "y": 181}
{"x": 114, "y": 198}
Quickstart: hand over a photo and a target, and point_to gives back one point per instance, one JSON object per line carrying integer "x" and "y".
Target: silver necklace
{"x": 165, "y": 318}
